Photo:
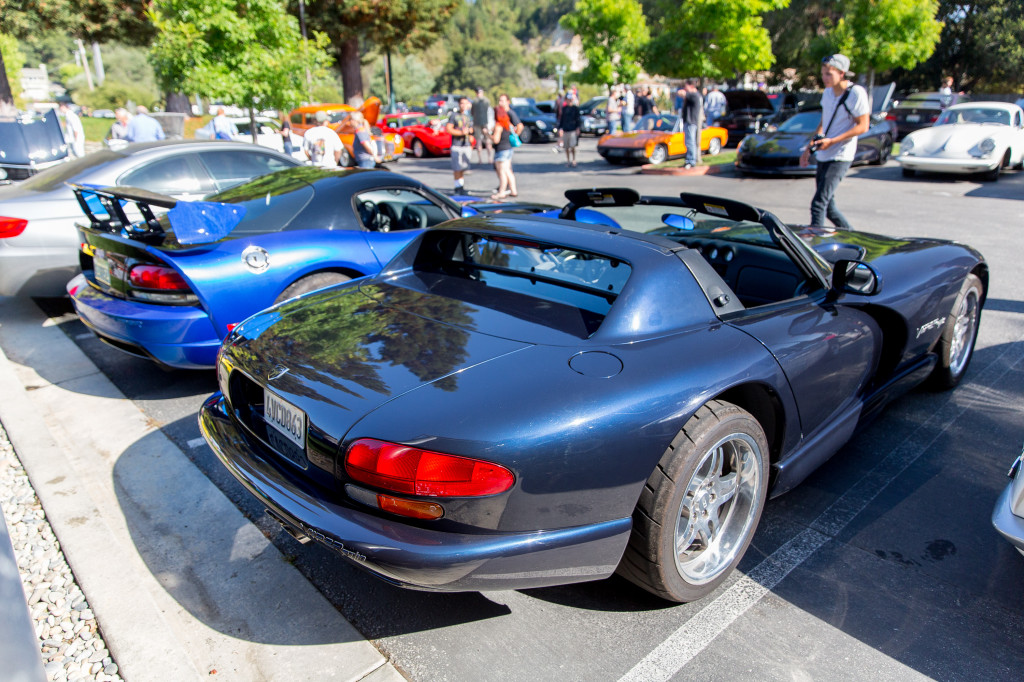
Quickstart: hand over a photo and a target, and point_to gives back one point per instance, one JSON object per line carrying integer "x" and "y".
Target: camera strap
{"x": 840, "y": 103}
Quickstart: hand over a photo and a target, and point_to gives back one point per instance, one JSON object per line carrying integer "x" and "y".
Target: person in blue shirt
{"x": 144, "y": 128}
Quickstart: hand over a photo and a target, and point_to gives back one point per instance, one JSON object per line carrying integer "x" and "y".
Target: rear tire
{"x": 317, "y": 280}
{"x": 959, "y": 333}
{"x": 346, "y": 158}
{"x": 700, "y": 507}
{"x": 714, "y": 147}
{"x": 418, "y": 150}
{"x": 659, "y": 155}
{"x": 883, "y": 152}
{"x": 526, "y": 135}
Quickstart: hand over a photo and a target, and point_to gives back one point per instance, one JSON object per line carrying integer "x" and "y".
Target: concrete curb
{"x": 181, "y": 583}
{"x": 651, "y": 169}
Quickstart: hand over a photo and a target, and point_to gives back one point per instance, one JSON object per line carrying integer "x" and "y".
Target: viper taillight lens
{"x": 156, "y": 277}
{"x": 12, "y": 227}
{"x": 409, "y": 470}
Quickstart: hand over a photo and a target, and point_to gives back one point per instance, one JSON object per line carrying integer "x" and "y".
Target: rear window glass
{"x": 53, "y": 178}
{"x": 587, "y": 283}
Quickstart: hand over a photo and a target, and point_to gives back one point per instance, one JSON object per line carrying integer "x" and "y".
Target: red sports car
{"x": 422, "y": 134}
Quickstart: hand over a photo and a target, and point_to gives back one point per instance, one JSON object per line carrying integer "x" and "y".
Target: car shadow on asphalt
{"x": 1009, "y": 186}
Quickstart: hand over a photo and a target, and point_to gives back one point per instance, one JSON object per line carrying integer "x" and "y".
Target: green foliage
{"x": 90, "y": 20}
{"x": 537, "y": 17}
{"x": 327, "y": 91}
{"x": 68, "y": 72}
{"x": 614, "y": 35}
{"x": 483, "y": 52}
{"x": 401, "y": 25}
{"x": 116, "y": 93}
{"x": 243, "y": 52}
{"x": 548, "y": 61}
{"x": 715, "y": 39}
{"x": 879, "y": 35}
{"x": 798, "y": 33}
{"x": 13, "y": 60}
{"x": 411, "y": 81}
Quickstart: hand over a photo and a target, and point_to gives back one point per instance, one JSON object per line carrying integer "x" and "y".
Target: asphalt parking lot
{"x": 882, "y": 565}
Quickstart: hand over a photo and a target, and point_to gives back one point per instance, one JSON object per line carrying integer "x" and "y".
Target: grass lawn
{"x": 726, "y": 156}
{"x": 97, "y": 128}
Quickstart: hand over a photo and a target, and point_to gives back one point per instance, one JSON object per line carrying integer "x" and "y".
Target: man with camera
{"x": 845, "y": 110}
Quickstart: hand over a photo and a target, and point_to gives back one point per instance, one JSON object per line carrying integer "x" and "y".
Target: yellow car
{"x": 656, "y": 139}
{"x": 390, "y": 146}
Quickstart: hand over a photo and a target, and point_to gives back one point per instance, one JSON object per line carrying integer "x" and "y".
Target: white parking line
{"x": 82, "y": 337}
{"x": 683, "y": 645}
{"x": 196, "y": 443}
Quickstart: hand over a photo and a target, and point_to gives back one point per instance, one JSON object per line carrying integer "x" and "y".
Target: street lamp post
{"x": 561, "y": 70}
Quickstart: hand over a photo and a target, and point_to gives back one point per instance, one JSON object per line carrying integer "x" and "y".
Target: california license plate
{"x": 913, "y": 118}
{"x": 101, "y": 268}
{"x": 286, "y": 419}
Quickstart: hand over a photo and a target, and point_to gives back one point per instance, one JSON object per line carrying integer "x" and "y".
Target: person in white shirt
{"x": 73, "y": 130}
{"x": 321, "y": 144}
{"x": 844, "y": 115}
{"x": 223, "y": 128}
{"x": 628, "y": 110}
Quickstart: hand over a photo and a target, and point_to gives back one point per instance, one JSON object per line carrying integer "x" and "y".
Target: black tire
{"x": 418, "y": 150}
{"x": 318, "y": 280}
{"x": 993, "y": 175}
{"x": 669, "y": 505}
{"x": 659, "y": 155}
{"x": 714, "y": 147}
{"x": 526, "y": 135}
{"x": 908, "y": 172}
{"x": 346, "y": 158}
{"x": 959, "y": 333}
{"x": 883, "y": 152}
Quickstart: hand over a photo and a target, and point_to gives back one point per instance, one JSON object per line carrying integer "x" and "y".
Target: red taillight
{"x": 156, "y": 277}
{"x": 890, "y": 117}
{"x": 933, "y": 118}
{"x": 11, "y": 227}
{"x": 409, "y": 470}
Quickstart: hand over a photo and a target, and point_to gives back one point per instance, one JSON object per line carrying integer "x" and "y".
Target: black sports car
{"x": 519, "y": 402}
{"x": 921, "y": 110}
{"x": 744, "y": 114}
{"x": 778, "y": 152}
{"x": 537, "y": 126}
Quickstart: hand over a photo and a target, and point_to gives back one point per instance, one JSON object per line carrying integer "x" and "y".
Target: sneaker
{"x": 689, "y": 165}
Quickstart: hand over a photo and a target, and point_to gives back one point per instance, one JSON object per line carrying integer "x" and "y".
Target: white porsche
{"x": 976, "y": 137}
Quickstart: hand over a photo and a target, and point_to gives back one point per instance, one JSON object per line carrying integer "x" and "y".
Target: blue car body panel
{"x": 580, "y": 419}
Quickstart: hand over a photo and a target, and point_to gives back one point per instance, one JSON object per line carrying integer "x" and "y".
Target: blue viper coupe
{"x": 169, "y": 287}
{"x": 524, "y": 401}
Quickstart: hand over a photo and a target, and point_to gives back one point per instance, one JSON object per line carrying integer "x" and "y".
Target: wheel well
{"x": 764, "y": 405}
{"x": 981, "y": 272}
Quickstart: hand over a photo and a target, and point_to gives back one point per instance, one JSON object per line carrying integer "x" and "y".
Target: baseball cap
{"x": 321, "y": 116}
{"x": 838, "y": 61}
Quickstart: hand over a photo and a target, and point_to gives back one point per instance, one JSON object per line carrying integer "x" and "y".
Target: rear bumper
{"x": 176, "y": 336}
{"x": 408, "y": 555}
{"x": 36, "y": 270}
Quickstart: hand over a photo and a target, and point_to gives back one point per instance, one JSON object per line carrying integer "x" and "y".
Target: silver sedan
{"x": 38, "y": 239}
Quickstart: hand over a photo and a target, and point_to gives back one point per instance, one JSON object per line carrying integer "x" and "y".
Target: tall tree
{"x": 614, "y": 34}
{"x": 798, "y": 31}
{"x": 391, "y": 26}
{"x": 718, "y": 39}
{"x": 482, "y": 50}
{"x": 246, "y": 52}
{"x": 880, "y": 35}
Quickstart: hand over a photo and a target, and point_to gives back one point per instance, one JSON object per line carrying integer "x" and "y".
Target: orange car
{"x": 657, "y": 138}
{"x": 390, "y": 146}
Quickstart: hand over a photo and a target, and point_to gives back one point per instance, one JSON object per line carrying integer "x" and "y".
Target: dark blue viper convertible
{"x": 524, "y": 401}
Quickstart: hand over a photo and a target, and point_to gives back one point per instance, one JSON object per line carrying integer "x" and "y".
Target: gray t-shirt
{"x": 845, "y": 118}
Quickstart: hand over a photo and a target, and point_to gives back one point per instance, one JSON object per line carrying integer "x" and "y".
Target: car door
{"x": 181, "y": 176}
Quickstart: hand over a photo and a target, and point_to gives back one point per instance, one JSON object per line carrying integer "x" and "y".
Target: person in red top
{"x": 505, "y": 121}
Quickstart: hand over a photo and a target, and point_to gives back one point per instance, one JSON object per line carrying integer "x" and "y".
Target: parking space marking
{"x": 693, "y": 636}
{"x": 196, "y": 443}
{"x": 82, "y": 337}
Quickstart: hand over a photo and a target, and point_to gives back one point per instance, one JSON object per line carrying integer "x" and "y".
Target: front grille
{"x": 771, "y": 162}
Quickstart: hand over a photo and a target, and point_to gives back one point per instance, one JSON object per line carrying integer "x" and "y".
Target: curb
{"x": 182, "y": 584}
{"x": 651, "y": 169}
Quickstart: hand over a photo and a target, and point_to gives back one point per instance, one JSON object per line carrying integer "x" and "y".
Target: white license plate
{"x": 913, "y": 118}
{"x": 101, "y": 267}
{"x": 287, "y": 419}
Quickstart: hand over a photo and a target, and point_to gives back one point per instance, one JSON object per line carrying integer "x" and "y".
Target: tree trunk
{"x": 6, "y": 96}
{"x": 352, "y": 78}
{"x": 178, "y": 103}
{"x": 252, "y": 122}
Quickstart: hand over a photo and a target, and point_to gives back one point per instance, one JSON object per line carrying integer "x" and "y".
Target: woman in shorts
{"x": 505, "y": 121}
{"x": 569, "y": 125}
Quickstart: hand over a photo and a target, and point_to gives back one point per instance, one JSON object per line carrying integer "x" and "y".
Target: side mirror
{"x": 855, "y": 277}
{"x": 469, "y": 212}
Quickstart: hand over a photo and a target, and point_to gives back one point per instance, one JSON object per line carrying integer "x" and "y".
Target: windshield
{"x": 72, "y": 171}
{"x": 974, "y": 115}
{"x": 660, "y": 122}
{"x": 806, "y": 122}
{"x": 337, "y": 116}
{"x": 409, "y": 121}
{"x": 527, "y": 110}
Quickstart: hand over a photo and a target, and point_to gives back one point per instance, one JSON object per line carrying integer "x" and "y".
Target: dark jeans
{"x": 828, "y": 176}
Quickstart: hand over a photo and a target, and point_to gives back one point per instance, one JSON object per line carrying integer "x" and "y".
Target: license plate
{"x": 913, "y": 118}
{"x": 616, "y": 152}
{"x": 101, "y": 267}
{"x": 288, "y": 420}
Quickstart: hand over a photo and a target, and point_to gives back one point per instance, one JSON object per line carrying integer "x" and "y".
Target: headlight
{"x": 906, "y": 146}
{"x": 542, "y": 125}
{"x": 3, "y": 174}
{"x": 987, "y": 145}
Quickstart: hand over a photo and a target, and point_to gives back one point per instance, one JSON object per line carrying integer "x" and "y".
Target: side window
{"x": 230, "y": 168}
{"x": 176, "y": 175}
{"x": 1017, "y": 120}
{"x": 297, "y": 118}
{"x": 388, "y": 210}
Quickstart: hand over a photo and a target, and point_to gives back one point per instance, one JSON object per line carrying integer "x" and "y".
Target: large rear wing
{"x": 130, "y": 212}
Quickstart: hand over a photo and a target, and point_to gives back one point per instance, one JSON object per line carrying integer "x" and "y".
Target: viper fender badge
{"x": 934, "y": 324}
{"x": 256, "y": 258}
{"x": 276, "y": 373}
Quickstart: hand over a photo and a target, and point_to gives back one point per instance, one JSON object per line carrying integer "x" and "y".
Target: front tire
{"x": 700, "y": 507}
{"x": 959, "y": 333}
{"x": 418, "y": 150}
{"x": 659, "y": 155}
{"x": 526, "y": 135}
{"x": 714, "y": 147}
{"x": 346, "y": 158}
{"x": 883, "y": 152}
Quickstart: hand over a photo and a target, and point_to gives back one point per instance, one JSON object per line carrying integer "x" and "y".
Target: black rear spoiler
{"x": 622, "y": 196}
{"x": 105, "y": 206}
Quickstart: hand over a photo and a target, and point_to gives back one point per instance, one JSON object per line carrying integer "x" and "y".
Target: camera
{"x": 815, "y": 143}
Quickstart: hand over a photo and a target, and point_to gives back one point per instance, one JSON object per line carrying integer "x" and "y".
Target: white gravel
{"x": 70, "y": 642}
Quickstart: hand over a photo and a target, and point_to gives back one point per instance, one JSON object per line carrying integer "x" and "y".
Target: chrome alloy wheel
{"x": 962, "y": 342}
{"x": 718, "y": 508}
